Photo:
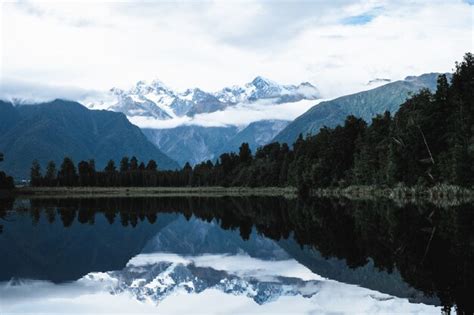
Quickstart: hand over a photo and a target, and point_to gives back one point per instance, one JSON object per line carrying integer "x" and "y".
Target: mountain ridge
{"x": 365, "y": 104}
{"x": 53, "y": 130}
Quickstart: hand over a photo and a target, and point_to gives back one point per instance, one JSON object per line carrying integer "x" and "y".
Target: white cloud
{"x": 32, "y": 92}
{"x": 239, "y": 115}
{"x": 95, "y": 45}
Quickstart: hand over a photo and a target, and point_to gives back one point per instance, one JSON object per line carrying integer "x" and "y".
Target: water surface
{"x": 234, "y": 255}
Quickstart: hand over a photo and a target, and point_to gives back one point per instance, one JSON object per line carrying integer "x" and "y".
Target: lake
{"x": 235, "y": 255}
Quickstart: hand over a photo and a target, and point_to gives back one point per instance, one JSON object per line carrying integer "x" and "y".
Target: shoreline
{"x": 440, "y": 194}
{"x": 208, "y": 191}
{"x": 436, "y": 194}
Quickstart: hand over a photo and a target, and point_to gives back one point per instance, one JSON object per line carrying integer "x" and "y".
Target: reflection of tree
{"x": 67, "y": 216}
{"x": 6, "y": 204}
{"x": 430, "y": 246}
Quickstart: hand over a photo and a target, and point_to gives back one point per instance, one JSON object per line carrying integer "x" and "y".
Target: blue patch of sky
{"x": 358, "y": 19}
{"x": 364, "y": 18}
{"x": 470, "y": 2}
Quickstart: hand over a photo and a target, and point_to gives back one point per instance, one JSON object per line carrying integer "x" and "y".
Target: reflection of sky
{"x": 209, "y": 271}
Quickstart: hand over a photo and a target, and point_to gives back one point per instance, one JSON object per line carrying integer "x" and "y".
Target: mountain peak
{"x": 157, "y": 83}
{"x": 155, "y": 99}
{"x": 260, "y": 81}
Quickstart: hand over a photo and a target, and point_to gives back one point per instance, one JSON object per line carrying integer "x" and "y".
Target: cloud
{"x": 339, "y": 45}
{"x": 239, "y": 115}
{"x": 19, "y": 91}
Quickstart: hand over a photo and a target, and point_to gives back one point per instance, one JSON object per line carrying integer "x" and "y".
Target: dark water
{"x": 420, "y": 253}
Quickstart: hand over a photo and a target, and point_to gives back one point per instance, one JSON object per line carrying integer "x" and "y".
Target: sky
{"x": 71, "y": 49}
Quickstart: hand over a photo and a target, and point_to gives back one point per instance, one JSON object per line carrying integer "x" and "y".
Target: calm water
{"x": 234, "y": 255}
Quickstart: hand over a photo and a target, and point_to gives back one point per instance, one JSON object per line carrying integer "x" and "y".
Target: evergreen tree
{"x": 151, "y": 166}
{"x": 110, "y": 168}
{"x": 67, "y": 175}
{"x": 6, "y": 182}
{"x": 124, "y": 164}
{"x": 35, "y": 174}
{"x": 133, "y": 163}
{"x": 51, "y": 172}
{"x": 245, "y": 155}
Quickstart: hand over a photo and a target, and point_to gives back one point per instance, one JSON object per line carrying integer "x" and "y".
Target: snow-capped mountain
{"x": 262, "y": 89}
{"x": 156, "y": 100}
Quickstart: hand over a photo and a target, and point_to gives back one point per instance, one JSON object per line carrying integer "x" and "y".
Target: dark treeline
{"x": 6, "y": 182}
{"x": 430, "y": 246}
{"x": 430, "y": 140}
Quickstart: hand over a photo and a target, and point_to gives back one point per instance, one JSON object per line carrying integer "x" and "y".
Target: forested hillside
{"x": 52, "y": 130}
{"x": 363, "y": 105}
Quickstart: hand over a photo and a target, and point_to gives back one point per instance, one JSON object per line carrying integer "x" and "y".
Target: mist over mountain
{"x": 51, "y": 131}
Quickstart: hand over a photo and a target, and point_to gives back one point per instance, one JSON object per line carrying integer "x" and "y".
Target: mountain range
{"x": 53, "y": 130}
{"x": 49, "y": 131}
{"x": 156, "y": 100}
{"x": 193, "y": 142}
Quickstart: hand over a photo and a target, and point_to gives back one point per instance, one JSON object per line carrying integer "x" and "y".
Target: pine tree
{"x": 67, "y": 175}
{"x": 151, "y": 166}
{"x": 245, "y": 155}
{"x": 51, "y": 172}
{"x": 35, "y": 174}
{"x": 124, "y": 164}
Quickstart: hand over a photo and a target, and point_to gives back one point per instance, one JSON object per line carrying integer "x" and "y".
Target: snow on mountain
{"x": 262, "y": 88}
{"x": 155, "y": 100}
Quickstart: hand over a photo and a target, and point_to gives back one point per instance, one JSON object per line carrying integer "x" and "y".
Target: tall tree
{"x": 67, "y": 175}
{"x": 151, "y": 166}
{"x": 124, "y": 164}
{"x": 35, "y": 174}
{"x": 133, "y": 163}
{"x": 51, "y": 172}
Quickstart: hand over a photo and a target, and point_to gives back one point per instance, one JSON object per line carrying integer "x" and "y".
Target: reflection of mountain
{"x": 46, "y": 250}
{"x": 367, "y": 276}
{"x": 195, "y": 237}
{"x": 157, "y": 277}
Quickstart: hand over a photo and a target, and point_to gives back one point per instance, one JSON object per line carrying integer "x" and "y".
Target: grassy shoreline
{"x": 438, "y": 194}
{"x": 82, "y": 192}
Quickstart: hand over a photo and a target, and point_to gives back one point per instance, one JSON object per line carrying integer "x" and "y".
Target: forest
{"x": 430, "y": 140}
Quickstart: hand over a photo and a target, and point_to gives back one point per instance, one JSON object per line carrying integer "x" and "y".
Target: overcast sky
{"x": 337, "y": 45}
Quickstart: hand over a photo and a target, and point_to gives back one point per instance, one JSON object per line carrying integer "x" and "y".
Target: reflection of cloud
{"x": 239, "y": 115}
{"x": 121, "y": 292}
{"x": 242, "y": 265}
